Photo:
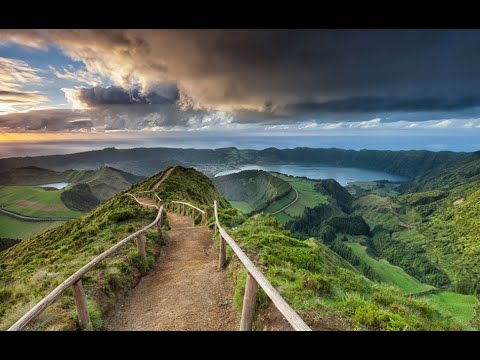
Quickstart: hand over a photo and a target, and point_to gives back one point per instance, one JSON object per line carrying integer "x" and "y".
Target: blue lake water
{"x": 59, "y": 186}
{"x": 343, "y": 175}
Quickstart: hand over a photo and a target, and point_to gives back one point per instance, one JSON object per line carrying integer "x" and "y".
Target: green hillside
{"x": 87, "y": 189}
{"x": 34, "y": 267}
{"x": 448, "y": 175}
{"x": 252, "y": 190}
{"x": 323, "y": 288}
{"x": 308, "y": 197}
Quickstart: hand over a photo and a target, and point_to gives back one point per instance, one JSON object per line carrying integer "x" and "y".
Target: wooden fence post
{"x": 81, "y": 304}
{"x": 141, "y": 245}
{"x": 223, "y": 253}
{"x": 249, "y": 299}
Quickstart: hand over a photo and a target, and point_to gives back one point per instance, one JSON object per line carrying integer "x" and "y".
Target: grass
{"x": 389, "y": 273}
{"x": 462, "y": 307}
{"x": 19, "y": 229}
{"x": 243, "y": 206}
{"x": 323, "y": 288}
{"x": 307, "y": 196}
{"x": 283, "y": 218}
{"x": 35, "y": 201}
{"x": 280, "y": 203}
{"x": 34, "y": 267}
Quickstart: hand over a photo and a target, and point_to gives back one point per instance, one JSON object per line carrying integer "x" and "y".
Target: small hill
{"x": 336, "y": 192}
{"x": 32, "y": 268}
{"x": 103, "y": 182}
{"x": 252, "y": 190}
{"x": 30, "y": 175}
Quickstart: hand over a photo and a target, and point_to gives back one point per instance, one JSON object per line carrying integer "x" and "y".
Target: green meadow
{"x": 307, "y": 197}
{"x": 35, "y": 202}
{"x": 11, "y": 228}
{"x": 389, "y": 273}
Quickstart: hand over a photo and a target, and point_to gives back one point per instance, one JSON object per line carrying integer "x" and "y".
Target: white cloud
{"x": 442, "y": 124}
{"x": 79, "y": 75}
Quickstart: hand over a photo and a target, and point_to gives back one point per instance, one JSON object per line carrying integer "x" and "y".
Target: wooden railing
{"x": 75, "y": 281}
{"x": 180, "y": 207}
{"x": 254, "y": 278}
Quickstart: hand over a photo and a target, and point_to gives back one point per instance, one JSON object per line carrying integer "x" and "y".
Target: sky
{"x": 117, "y": 85}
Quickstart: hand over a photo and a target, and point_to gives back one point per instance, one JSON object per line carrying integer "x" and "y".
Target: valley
{"x": 367, "y": 254}
{"x": 34, "y": 199}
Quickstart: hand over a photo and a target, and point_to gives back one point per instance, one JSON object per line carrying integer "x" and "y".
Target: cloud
{"x": 244, "y": 68}
{"x": 44, "y": 120}
{"x": 114, "y": 95}
{"x": 267, "y": 77}
{"x": 19, "y": 97}
{"x": 14, "y": 75}
{"x": 79, "y": 75}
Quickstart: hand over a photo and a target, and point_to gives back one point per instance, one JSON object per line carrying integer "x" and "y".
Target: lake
{"x": 343, "y": 175}
{"x": 59, "y": 186}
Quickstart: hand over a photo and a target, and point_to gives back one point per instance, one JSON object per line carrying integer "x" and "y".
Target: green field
{"x": 243, "y": 206}
{"x": 35, "y": 201}
{"x": 462, "y": 307}
{"x": 389, "y": 273}
{"x": 19, "y": 229}
{"x": 280, "y": 203}
{"x": 307, "y": 197}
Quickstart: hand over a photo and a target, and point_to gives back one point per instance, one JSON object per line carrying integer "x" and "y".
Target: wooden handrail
{"x": 192, "y": 206}
{"x": 74, "y": 279}
{"x": 293, "y": 318}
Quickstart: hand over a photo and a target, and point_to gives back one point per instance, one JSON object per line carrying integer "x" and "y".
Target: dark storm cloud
{"x": 115, "y": 95}
{"x": 380, "y": 104}
{"x": 262, "y": 76}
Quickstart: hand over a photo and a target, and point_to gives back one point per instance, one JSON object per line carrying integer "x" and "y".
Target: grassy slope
{"x": 462, "y": 307}
{"x": 389, "y": 273}
{"x": 307, "y": 196}
{"x": 19, "y": 229}
{"x": 325, "y": 289}
{"x": 446, "y": 231}
{"x": 255, "y": 187}
{"x": 450, "y": 233}
{"x": 34, "y": 267}
{"x": 464, "y": 171}
{"x": 39, "y": 202}
{"x": 243, "y": 206}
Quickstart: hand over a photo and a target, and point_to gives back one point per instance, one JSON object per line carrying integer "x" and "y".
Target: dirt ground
{"x": 184, "y": 291}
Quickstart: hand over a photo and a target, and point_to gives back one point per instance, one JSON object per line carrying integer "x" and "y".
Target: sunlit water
{"x": 59, "y": 186}
{"x": 343, "y": 175}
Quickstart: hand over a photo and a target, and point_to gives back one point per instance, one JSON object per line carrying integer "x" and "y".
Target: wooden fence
{"x": 254, "y": 278}
{"x": 75, "y": 281}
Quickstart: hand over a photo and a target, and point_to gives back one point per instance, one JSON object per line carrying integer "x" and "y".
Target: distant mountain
{"x": 148, "y": 161}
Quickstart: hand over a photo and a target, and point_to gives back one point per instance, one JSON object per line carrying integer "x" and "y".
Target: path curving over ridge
{"x": 286, "y": 206}
{"x": 164, "y": 177}
{"x": 184, "y": 291}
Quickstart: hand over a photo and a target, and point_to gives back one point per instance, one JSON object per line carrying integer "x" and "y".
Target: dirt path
{"x": 165, "y": 175}
{"x": 184, "y": 291}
